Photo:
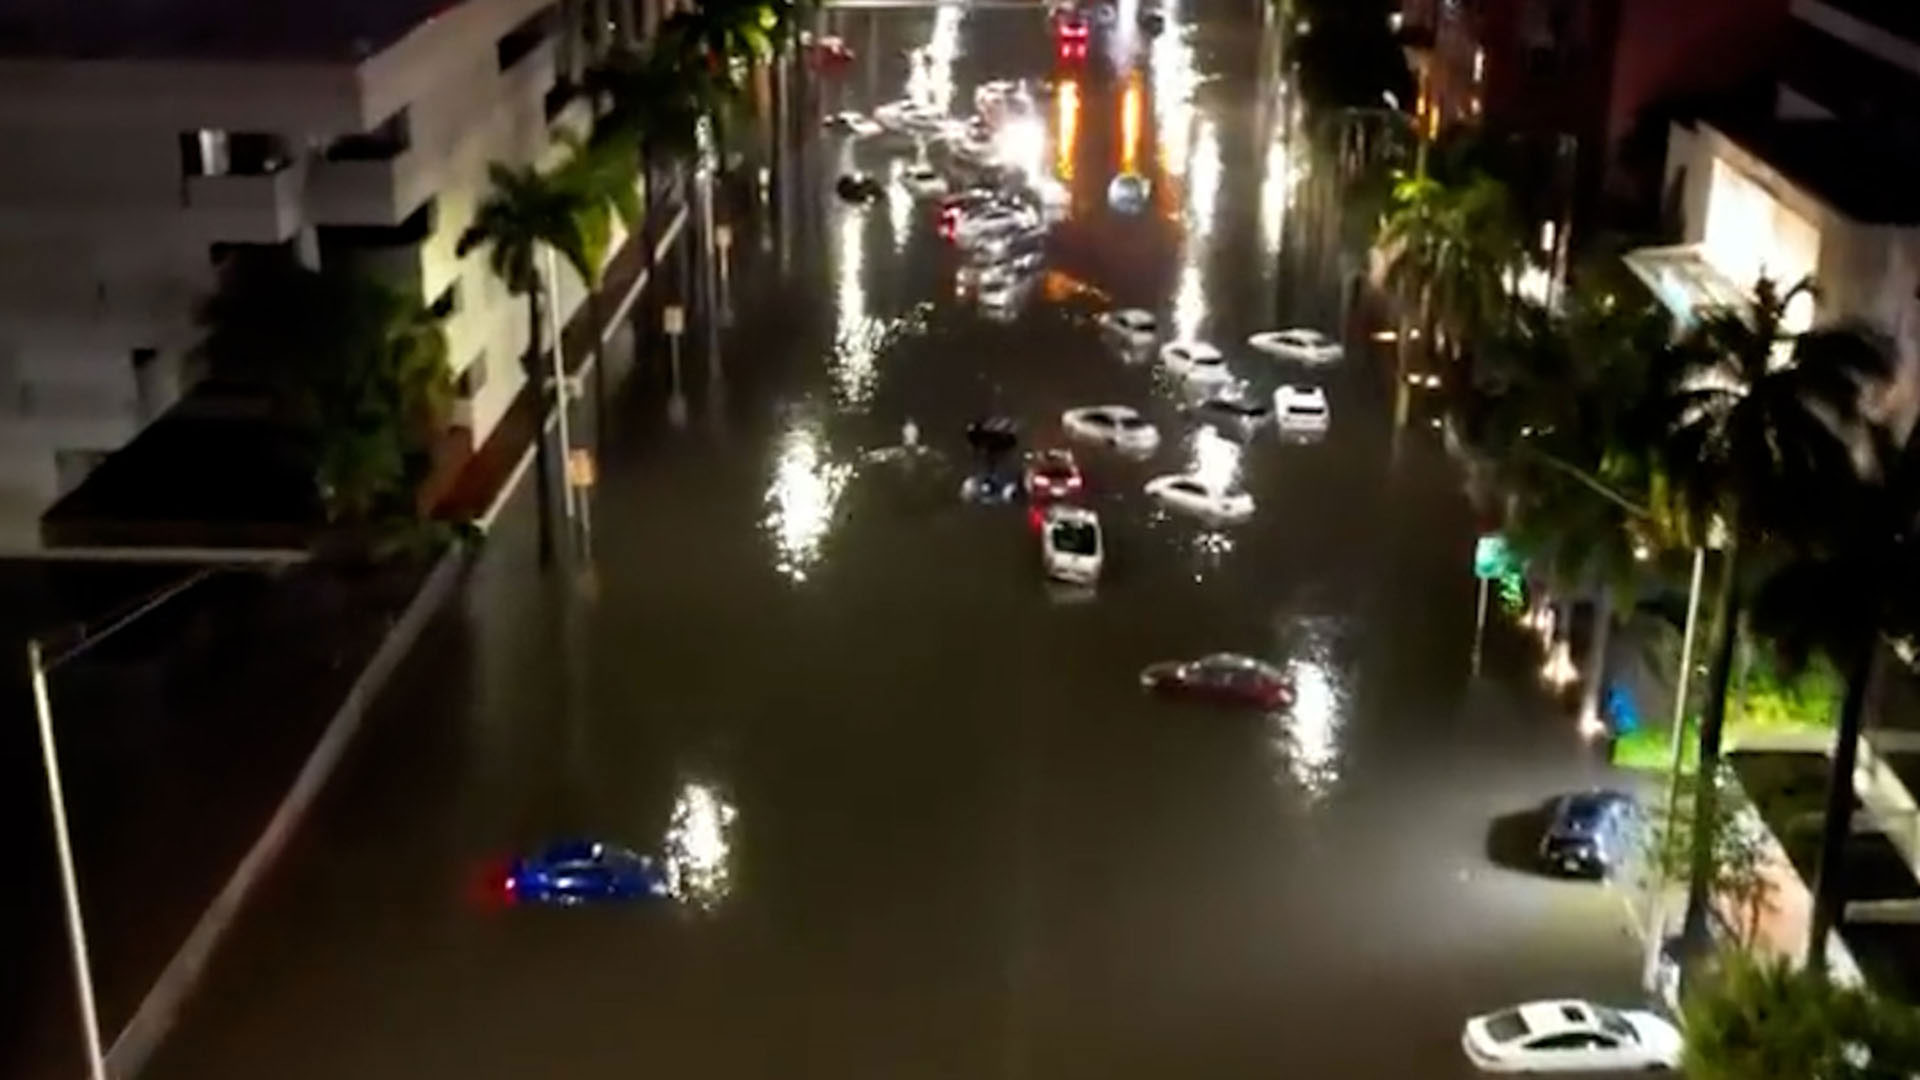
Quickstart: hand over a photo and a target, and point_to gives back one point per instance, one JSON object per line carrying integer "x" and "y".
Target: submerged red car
{"x": 1222, "y": 678}
{"x": 1053, "y": 474}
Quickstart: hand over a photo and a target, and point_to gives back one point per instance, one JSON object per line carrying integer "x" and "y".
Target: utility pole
{"x": 673, "y": 319}
{"x": 563, "y": 398}
{"x": 38, "y": 667}
{"x": 69, "y": 881}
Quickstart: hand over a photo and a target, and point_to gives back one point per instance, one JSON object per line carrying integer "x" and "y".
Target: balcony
{"x": 251, "y": 207}
{"x": 369, "y": 189}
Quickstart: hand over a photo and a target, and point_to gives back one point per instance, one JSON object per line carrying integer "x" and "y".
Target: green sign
{"x": 1493, "y": 558}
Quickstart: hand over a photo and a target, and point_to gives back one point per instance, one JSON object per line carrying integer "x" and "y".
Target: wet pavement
{"x": 925, "y": 822}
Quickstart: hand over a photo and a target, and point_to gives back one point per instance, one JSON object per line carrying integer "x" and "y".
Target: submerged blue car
{"x": 585, "y": 872}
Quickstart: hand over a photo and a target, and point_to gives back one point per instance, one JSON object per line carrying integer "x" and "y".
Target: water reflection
{"x": 931, "y": 80}
{"x": 806, "y": 489}
{"x": 697, "y": 847}
{"x": 1276, "y": 193}
{"x": 1307, "y": 736}
{"x": 1215, "y": 458}
{"x": 899, "y": 209}
{"x": 1189, "y": 303}
{"x": 1174, "y": 82}
{"x": 1203, "y": 187}
{"x": 1130, "y": 126}
{"x": 856, "y": 333}
{"x": 1066, "y": 104}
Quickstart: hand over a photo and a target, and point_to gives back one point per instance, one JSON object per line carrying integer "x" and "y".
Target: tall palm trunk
{"x": 1829, "y": 887}
{"x": 542, "y": 454}
{"x": 1706, "y": 814}
{"x": 1597, "y": 657}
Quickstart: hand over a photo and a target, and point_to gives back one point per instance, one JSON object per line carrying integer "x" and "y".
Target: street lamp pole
{"x": 673, "y": 319}
{"x": 69, "y": 881}
{"x": 1656, "y": 908}
{"x": 563, "y": 399}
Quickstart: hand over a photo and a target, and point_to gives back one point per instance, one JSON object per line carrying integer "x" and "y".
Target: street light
{"x": 38, "y": 666}
{"x": 69, "y": 881}
{"x": 673, "y": 319}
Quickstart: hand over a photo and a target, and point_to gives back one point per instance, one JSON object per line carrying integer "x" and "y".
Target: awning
{"x": 1685, "y": 283}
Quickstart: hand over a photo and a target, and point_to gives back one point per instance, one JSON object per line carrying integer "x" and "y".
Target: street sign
{"x": 673, "y": 319}
{"x": 581, "y": 469}
{"x": 1494, "y": 558}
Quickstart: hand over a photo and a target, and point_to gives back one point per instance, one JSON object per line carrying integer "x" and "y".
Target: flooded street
{"x": 922, "y": 820}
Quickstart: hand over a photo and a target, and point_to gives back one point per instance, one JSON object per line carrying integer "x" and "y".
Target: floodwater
{"x": 924, "y": 822}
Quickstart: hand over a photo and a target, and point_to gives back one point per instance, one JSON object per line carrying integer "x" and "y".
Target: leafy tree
{"x": 1759, "y": 1020}
{"x": 357, "y": 369}
{"x": 1853, "y": 578}
{"x": 1755, "y": 415}
{"x": 525, "y": 211}
{"x": 1737, "y": 847}
{"x": 1447, "y": 251}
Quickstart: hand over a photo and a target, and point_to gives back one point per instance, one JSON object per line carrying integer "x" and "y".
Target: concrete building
{"x": 147, "y": 141}
{"x": 1825, "y": 185}
{"x": 1585, "y": 72}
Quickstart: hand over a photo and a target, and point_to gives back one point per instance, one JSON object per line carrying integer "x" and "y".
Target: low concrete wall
{"x": 135, "y": 1043}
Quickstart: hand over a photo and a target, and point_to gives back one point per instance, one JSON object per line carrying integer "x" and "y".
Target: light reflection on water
{"x": 1171, "y": 63}
{"x": 932, "y": 81}
{"x": 856, "y": 335}
{"x": 697, "y": 847}
{"x": 1189, "y": 304}
{"x": 1215, "y": 458}
{"x": 1203, "y": 187}
{"x": 899, "y": 207}
{"x": 1067, "y": 127}
{"x": 1276, "y": 193}
{"x": 1307, "y": 737}
{"x": 802, "y": 498}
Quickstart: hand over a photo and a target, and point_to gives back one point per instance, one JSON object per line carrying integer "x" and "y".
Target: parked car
{"x": 1592, "y": 833}
{"x": 1201, "y": 497}
{"x": 1301, "y": 345}
{"x": 923, "y": 181}
{"x": 1195, "y": 361}
{"x": 852, "y": 123}
{"x": 993, "y": 221}
{"x": 1134, "y": 327}
{"x": 1114, "y": 425}
{"x": 1236, "y": 412}
{"x": 1301, "y": 409}
{"x": 1223, "y": 678}
{"x": 858, "y": 188}
{"x": 1570, "y": 1036}
{"x": 1071, "y": 544}
{"x": 583, "y": 872}
{"x": 1053, "y": 474}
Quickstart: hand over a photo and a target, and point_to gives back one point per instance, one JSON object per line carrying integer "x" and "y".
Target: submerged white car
{"x": 1134, "y": 326}
{"x": 1115, "y": 425}
{"x": 1195, "y": 361}
{"x": 1570, "y": 1036}
{"x": 922, "y": 181}
{"x": 1301, "y": 408}
{"x": 1070, "y": 544}
{"x": 992, "y": 221}
{"x": 854, "y": 124}
{"x": 1201, "y": 497}
{"x": 1304, "y": 346}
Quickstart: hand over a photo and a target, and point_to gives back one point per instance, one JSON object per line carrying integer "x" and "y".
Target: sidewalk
{"x": 495, "y": 468}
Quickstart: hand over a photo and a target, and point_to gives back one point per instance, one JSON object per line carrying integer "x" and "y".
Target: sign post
{"x": 1493, "y": 560}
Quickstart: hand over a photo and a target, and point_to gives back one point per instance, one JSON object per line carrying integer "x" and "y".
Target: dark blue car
{"x": 1592, "y": 834}
{"x": 585, "y": 872}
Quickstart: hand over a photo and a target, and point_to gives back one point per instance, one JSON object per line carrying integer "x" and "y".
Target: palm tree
{"x": 1760, "y": 1020}
{"x": 358, "y": 370}
{"x": 526, "y": 210}
{"x": 1852, "y": 579}
{"x": 1755, "y": 415}
{"x": 609, "y": 174}
{"x": 1447, "y": 251}
{"x": 1573, "y": 424}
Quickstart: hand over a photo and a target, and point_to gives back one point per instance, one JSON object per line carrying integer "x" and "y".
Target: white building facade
{"x": 128, "y": 178}
{"x": 1825, "y": 188}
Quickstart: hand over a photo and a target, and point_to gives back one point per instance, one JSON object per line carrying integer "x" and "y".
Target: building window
{"x": 414, "y": 230}
{"x": 388, "y": 140}
{"x": 473, "y": 378}
{"x": 523, "y": 39}
{"x": 447, "y": 304}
